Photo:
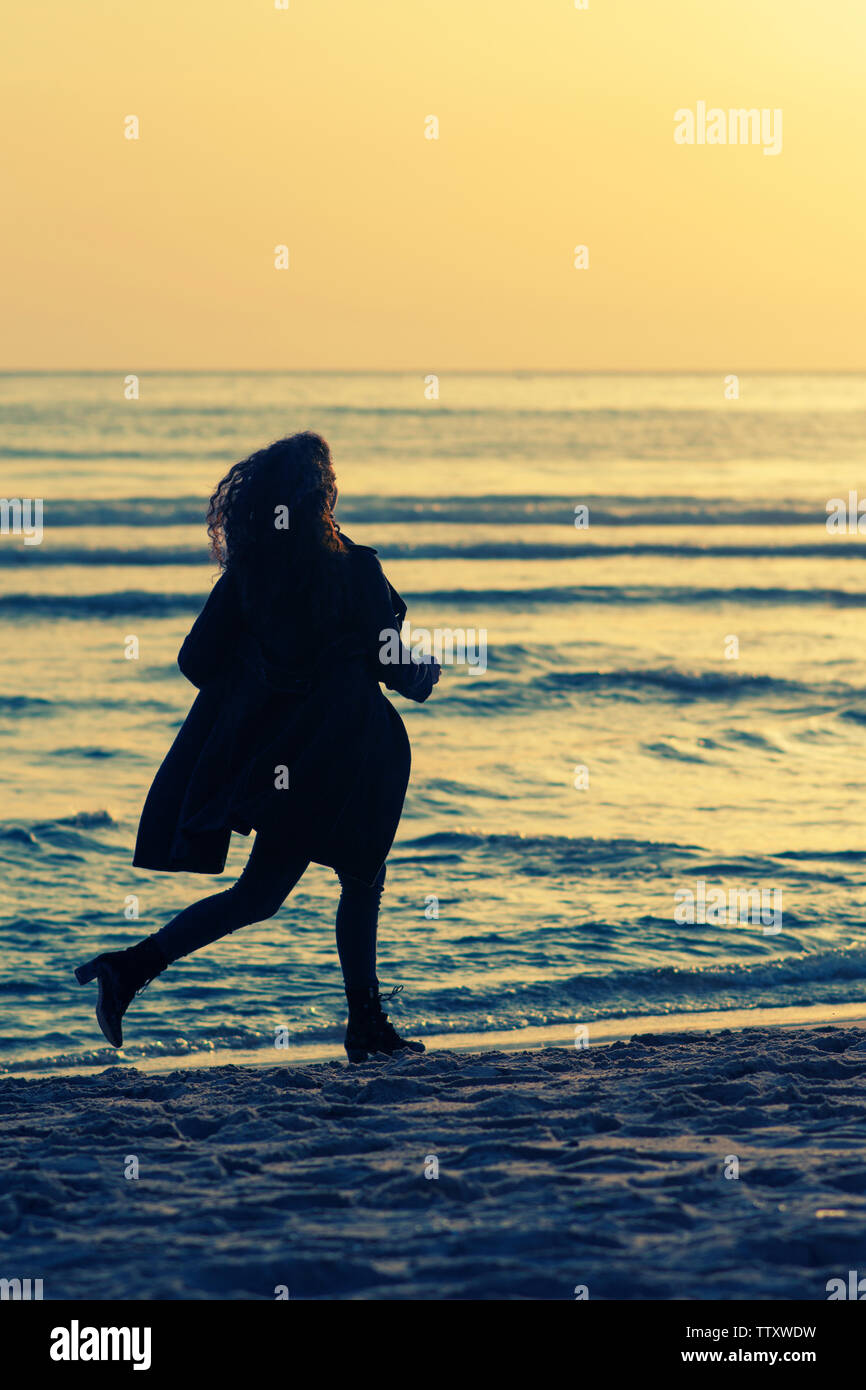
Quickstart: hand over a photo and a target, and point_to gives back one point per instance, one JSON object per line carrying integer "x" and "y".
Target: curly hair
{"x": 271, "y": 523}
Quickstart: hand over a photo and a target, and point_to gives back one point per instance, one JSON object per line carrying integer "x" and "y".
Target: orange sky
{"x": 305, "y": 127}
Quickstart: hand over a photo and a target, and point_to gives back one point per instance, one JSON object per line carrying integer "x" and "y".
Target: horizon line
{"x": 442, "y": 371}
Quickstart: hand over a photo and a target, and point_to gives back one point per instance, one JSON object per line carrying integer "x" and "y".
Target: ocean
{"x": 674, "y": 695}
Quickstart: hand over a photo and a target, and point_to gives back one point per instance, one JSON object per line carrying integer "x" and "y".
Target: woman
{"x": 289, "y": 735}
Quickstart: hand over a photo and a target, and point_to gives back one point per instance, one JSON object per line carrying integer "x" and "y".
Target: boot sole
{"x": 360, "y": 1054}
{"x": 94, "y": 971}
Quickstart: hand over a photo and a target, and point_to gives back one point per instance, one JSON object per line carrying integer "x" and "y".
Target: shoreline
{"x": 601, "y": 1033}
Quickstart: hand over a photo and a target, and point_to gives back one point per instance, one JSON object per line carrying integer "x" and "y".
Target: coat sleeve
{"x": 208, "y": 646}
{"x": 381, "y": 612}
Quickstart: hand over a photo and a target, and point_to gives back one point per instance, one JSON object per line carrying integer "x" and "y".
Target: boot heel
{"x": 85, "y": 973}
{"x": 357, "y": 1054}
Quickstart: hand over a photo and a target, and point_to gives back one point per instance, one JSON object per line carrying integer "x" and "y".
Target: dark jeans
{"x": 267, "y": 880}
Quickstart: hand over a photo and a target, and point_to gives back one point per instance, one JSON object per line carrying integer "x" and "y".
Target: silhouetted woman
{"x": 289, "y": 735}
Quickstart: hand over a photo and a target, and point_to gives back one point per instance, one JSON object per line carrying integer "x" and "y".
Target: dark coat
{"x": 310, "y": 703}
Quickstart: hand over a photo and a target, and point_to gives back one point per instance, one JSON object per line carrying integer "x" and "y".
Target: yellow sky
{"x": 306, "y": 127}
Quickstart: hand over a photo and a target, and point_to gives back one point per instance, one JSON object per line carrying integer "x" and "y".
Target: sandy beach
{"x": 605, "y": 1172}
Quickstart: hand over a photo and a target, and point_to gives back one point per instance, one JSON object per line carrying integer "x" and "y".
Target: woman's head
{"x": 271, "y": 521}
{"x": 288, "y": 485}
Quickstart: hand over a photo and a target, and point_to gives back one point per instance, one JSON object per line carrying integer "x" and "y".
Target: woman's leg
{"x": 368, "y": 1032}
{"x": 267, "y": 880}
{"x": 357, "y": 920}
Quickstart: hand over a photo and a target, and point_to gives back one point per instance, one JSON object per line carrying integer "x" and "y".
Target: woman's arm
{"x": 396, "y": 667}
{"x": 208, "y": 647}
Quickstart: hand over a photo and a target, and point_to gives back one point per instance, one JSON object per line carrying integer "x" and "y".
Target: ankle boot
{"x": 121, "y": 975}
{"x": 368, "y": 1030}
